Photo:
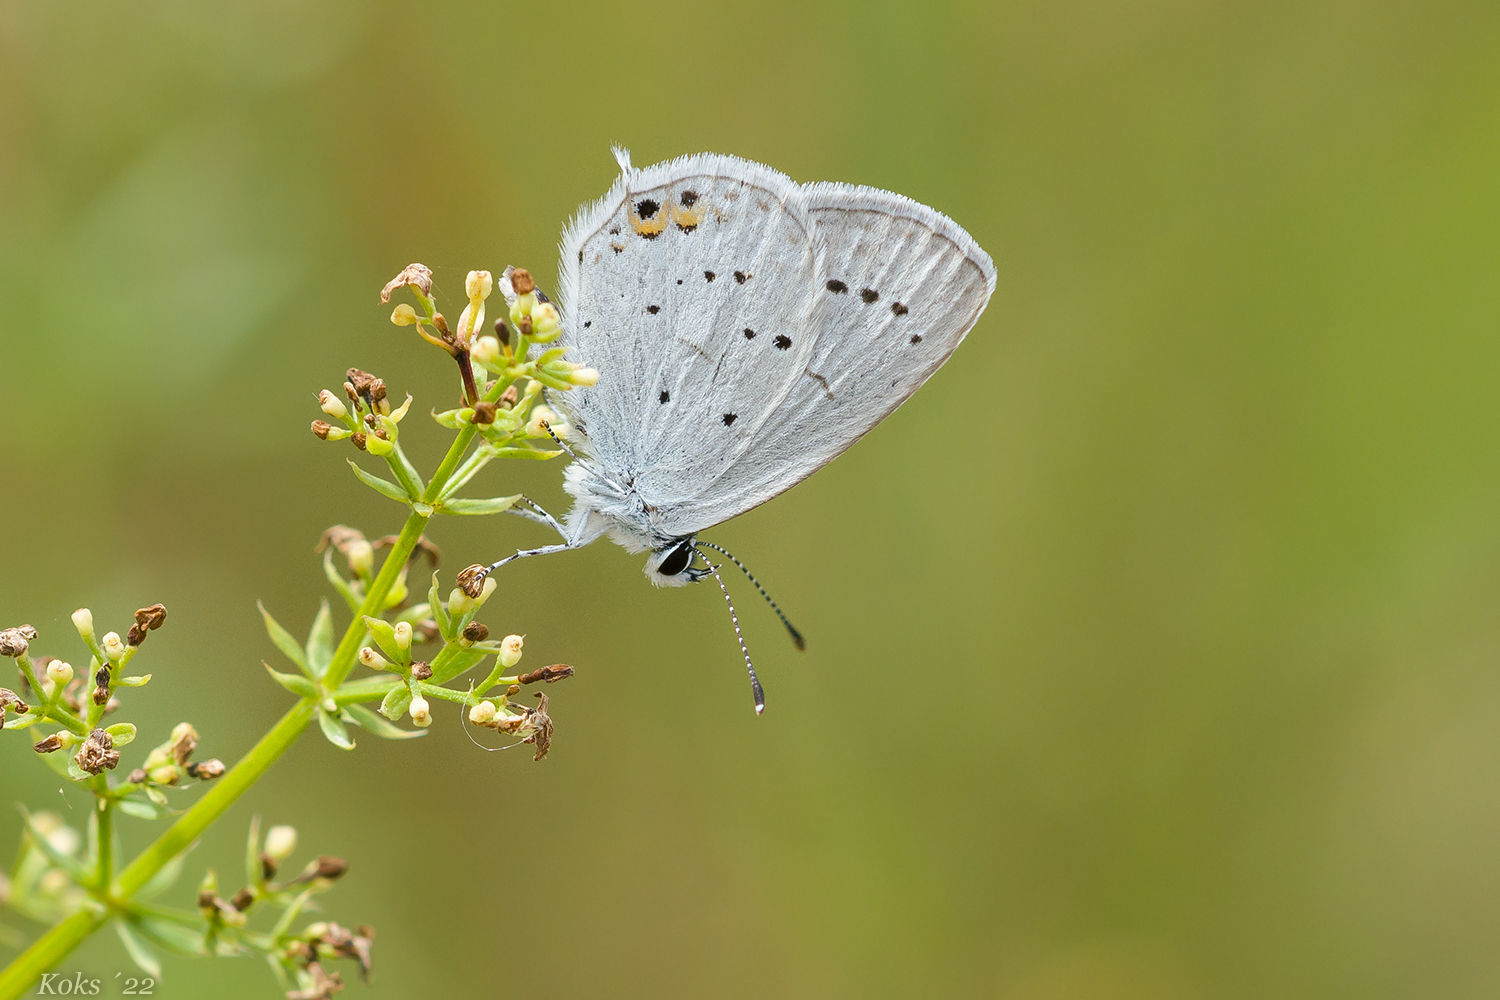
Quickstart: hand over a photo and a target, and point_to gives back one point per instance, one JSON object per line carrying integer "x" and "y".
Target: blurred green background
{"x": 1153, "y": 644}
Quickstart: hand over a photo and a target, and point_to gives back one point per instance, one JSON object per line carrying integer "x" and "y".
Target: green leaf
{"x": 24, "y": 721}
{"x": 290, "y": 647}
{"x": 166, "y": 876}
{"x": 134, "y": 681}
{"x": 121, "y": 733}
{"x": 69, "y": 864}
{"x": 394, "y": 704}
{"x": 382, "y": 486}
{"x": 75, "y": 772}
{"x": 376, "y": 724}
{"x": 519, "y": 452}
{"x": 320, "y": 642}
{"x": 137, "y": 808}
{"x": 334, "y": 730}
{"x": 439, "y": 609}
{"x": 169, "y": 934}
{"x": 339, "y": 583}
{"x": 384, "y": 635}
{"x": 253, "y": 871}
{"x": 156, "y": 795}
{"x": 300, "y": 686}
{"x": 494, "y": 505}
{"x": 445, "y": 668}
{"x": 140, "y": 954}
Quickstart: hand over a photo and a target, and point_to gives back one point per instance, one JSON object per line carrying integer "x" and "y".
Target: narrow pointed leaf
{"x": 339, "y": 583}
{"x": 290, "y": 648}
{"x": 335, "y": 731}
{"x": 166, "y": 876}
{"x": 169, "y": 935}
{"x": 140, "y": 952}
{"x": 66, "y": 862}
{"x": 394, "y": 704}
{"x": 382, "y": 486}
{"x": 384, "y": 635}
{"x": 253, "y": 870}
{"x": 138, "y": 809}
{"x": 300, "y": 686}
{"x": 320, "y": 642}
{"x": 494, "y": 505}
{"x": 439, "y": 609}
{"x": 535, "y": 453}
{"x": 376, "y": 724}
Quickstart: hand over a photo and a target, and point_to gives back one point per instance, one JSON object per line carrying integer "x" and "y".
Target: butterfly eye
{"x": 676, "y": 560}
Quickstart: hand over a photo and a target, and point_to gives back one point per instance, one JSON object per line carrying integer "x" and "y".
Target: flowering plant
{"x": 417, "y": 652}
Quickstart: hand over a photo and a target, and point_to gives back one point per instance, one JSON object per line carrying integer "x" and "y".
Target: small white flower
{"x": 403, "y": 635}
{"x": 113, "y": 647}
{"x": 281, "y": 841}
{"x": 332, "y": 405}
{"x": 370, "y": 657}
{"x": 361, "y": 557}
{"x": 421, "y": 712}
{"x": 510, "y": 650}
{"x": 60, "y": 673}
{"x": 83, "y": 621}
{"x": 482, "y": 713}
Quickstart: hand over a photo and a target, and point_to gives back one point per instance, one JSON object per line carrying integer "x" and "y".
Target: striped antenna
{"x": 755, "y": 688}
{"x": 796, "y": 636}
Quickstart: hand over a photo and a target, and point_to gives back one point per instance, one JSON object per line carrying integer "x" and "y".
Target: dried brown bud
{"x": 136, "y": 635}
{"x": 48, "y": 745}
{"x": 471, "y": 580}
{"x": 137, "y": 777}
{"x": 362, "y": 381}
{"x": 267, "y": 866}
{"x": 325, "y": 867}
{"x": 9, "y": 699}
{"x": 101, "y": 696}
{"x": 206, "y": 770}
{"x": 476, "y": 632}
{"x": 97, "y": 753}
{"x": 547, "y": 675}
{"x": 418, "y": 276}
{"x": 207, "y": 900}
{"x": 509, "y": 397}
{"x": 520, "y": 280}
{"x": 359, "y": 440}
{"x": 541, "y": 727}
{"x": 442, "y": 325}
{"x": 484, "y": 412}
{"x": 13, "y": 641}
{"x": 513, "y": 690}
{"x": 502, "y": 332}
{"x": 382, "y": 433}
{"x": 184, "y": 742}
{"x": 377, "y": 390}
{"x": 153, "y": 617}
{"x": 524, "y": 325}
{"x": 101, "y": 676}
{"x": 242, "y": 899}
{"x": 420, "y": 670}
{"x": 321, "y": 429}
{"x": 349, "y": 391}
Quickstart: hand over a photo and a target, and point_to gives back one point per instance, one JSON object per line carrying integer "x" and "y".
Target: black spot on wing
{"x": 730, "y": 418}
{"x": 587, "y": 323}
{"x": 617, "y": 247}
{"x": 740, "y": 276}
{"x": 653, "y": 310}
{"x": 646, "y": 208}
{"x": 782, "y": 341}
{"x": 869, "y": 295}
{"x": 688, "y": 199}
{"x": 580, "y": 256}
{"x": 837, "y": 287}
{"x": 709, "y": 276}
{"x": 749, "y": 333}
{"x": 666, "y": 397}
{"x": 898, "y": 309}
{"x": 916, "y": 338}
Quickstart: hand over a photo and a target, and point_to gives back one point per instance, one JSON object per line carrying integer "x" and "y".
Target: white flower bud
{"x": 421, "y": 713}
{"x": 486, "y": 351}
{"x": 281, "y": 841}
{"x": 544, "y": 321}
{"x": 361, "y": 557}
{"x": 490, "y": 583}
{"x": 404, "y": 315}
{"x": 478, "y": 284}
{"x": 59, "y": 673}
{"x": 510, "y": 650}
{"x": 538, "y": 415}
{"x": 584, "y": 376}
{"x": 332, "y": 405}
{"x": 403, "y": 635}
{"x": 482, "y": 713}
{"x": 370, "y": 657}
{"x": 113, "y": 647}
{"x": 83, "y": 621}
{"x": 459, "y": 603}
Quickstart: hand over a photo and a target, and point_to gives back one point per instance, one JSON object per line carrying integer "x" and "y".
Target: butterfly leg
{"x": 544, "y": 550}
{"x": 535, "y": 512}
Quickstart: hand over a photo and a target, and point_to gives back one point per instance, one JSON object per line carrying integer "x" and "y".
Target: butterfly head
{"x": 671, "y": 565}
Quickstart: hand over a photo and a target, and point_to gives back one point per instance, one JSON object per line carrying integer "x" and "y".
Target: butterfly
{"x": 748, "y": 329}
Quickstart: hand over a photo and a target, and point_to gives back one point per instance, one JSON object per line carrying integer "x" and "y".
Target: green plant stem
{"x": 106, "y": 868}
{"x": 48, "y": 950}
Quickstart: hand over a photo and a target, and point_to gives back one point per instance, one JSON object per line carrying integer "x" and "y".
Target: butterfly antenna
{"x": 755, "y": 688}
{"x": 548, "y": 428}
{"x": 796, "y": 636}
